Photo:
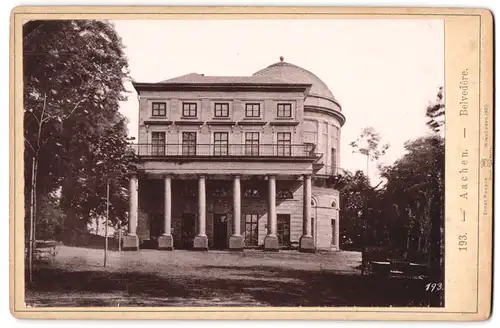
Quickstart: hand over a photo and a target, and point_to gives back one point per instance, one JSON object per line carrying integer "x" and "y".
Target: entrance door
{"x": 220, "y": 231}
{"x": 188, "y": 230}
{"x": 283, "y": 221}
{"x": 155, "y": 225}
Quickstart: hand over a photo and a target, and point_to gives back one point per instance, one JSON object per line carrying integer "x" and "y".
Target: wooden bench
{"x": 379, "y": 261}
{"x": 400, "y": 268}
{"x": 370, "y": 255}
{"x": 44, "y": 250}
{"x": 380, "y": 268}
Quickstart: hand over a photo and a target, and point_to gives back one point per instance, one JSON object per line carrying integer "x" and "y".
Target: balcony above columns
{"x": 224, "y": 168}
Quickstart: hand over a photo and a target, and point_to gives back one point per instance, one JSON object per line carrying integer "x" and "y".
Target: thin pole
{"x": 365, "y": 211}
{"x": 368, "y": 167}
{"x": 106, "y": 226}
{"x": 119, "y": 237}
{"x": 32, "y": 225}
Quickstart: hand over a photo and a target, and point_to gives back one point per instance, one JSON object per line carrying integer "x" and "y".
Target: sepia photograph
{"x": 307, "y": 177}
{"x": 242, "y": 163}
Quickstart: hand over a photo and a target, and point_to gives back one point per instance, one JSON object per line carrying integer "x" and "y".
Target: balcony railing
{"x": 223, "y": 150}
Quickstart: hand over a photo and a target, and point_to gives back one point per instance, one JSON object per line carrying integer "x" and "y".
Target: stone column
{"x": 271, "y": 240}
{"x": 236, "y": 242}
{"x": 201, "y": 240}
{"x": 166, "y": 241}
{"x": 306, "y": 242}
{"x": 131, "y": 241}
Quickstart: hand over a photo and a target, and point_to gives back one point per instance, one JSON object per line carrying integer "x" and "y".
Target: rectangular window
{"x": 189, "y": 143}
{"x": 159, "y": 109}
{"x": 220, "y": 143}
{"x": 284, "y": 110}
{"x": 313, "y": 231}
{"x": 252, "y": 193}
{"x": 252, "y": 143}
{"x": 158, "y": 143}
{"x": 334, "y": 233}
{"x": 251, "y": 230}
{"x": 189, "y": 109}
{"x": 284, "y": 194}
{"x": 283, "y": 221}
{"x": 334, "y": 161}
{"x": 284, "y": 144}
{"x": 252, "y": 110}
{"x": 188, "y": 189}
{"x": 221, "y": 110}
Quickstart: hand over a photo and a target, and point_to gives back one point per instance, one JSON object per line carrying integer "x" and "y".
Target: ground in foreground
{"x": 76, "y": 277}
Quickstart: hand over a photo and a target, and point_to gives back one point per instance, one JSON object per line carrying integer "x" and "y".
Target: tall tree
{"x": 73, "y": 82}
{"x": 358, "y": 201}
{"x": 415, "y": 185}
{"x": 412, "y": 183}
{"x": 369, "y": 144}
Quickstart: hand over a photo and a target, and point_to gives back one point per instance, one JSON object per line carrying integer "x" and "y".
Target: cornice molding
{"x": 267, "y": 87}
{"x": 327, "y": 111}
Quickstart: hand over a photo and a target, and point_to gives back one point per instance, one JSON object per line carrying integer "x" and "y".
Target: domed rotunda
{"x": 323, "y": 116}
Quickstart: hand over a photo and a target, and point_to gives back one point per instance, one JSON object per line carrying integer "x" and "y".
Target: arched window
{"x": 334, "y": 203}
{"x": 313, "y": 202}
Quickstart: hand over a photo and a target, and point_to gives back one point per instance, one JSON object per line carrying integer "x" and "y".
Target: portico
{"x": 236, "y": 241}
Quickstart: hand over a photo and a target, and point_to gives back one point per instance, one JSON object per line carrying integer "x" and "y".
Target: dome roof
{"x": 293, "y": 73}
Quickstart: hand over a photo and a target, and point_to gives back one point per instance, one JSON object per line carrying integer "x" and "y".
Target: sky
{"x": 383, "y": 72}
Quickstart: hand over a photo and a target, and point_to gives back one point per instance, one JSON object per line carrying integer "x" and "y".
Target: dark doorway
{"x": 188, "y": 230}
{"x": 220, "y": 231}
{"x": 155, "y": 230}
{"x": 283, "y": 230}
{"x": 251, "y": 229}
{"x": 155, "y": 225}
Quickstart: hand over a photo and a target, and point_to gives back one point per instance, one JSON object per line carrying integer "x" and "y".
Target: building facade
{"x": 236, "y": 162}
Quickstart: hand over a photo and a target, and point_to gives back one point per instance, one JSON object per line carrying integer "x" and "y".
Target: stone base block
{"x": 236, "y": 243}
{"x": 166, "y": 243}
{"x": 130, "y": 243}
{"x": 271, "y": 243}
{"x": 306, "y": 244}
{"x": 200, "y": 243}
{"x": 335, "y": 248}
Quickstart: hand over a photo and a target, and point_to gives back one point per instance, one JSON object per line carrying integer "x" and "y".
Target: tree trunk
{"x": 35, "y": 194}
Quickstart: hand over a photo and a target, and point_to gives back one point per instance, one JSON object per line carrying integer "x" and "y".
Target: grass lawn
{"x": 76, "y": 277}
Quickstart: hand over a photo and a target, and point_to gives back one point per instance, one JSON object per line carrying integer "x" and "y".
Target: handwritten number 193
{"x": 433, "y": 286}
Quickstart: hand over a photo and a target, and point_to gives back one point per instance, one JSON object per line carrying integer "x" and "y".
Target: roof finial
{"x": 282, "y": 58}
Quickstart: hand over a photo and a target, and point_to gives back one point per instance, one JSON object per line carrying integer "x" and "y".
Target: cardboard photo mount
{"x": 468, "y": 46}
